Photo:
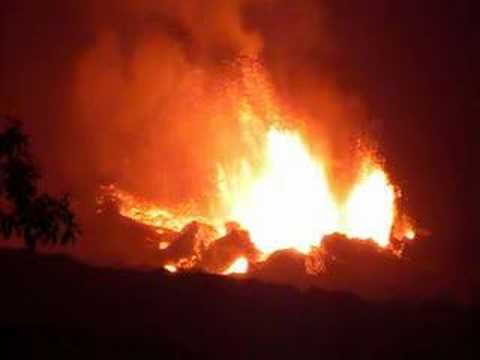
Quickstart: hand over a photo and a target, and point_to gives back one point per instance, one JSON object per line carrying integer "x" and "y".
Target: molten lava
{"x": 279, "y": 191}
{"x": 170, "y": 268}
{"x": 289, "y": 204}
{"x": 410, "y": 234}
{"x": 239, "y": 266}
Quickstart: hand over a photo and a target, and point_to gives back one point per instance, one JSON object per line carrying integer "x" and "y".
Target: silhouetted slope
{"x": 58, "y": 306}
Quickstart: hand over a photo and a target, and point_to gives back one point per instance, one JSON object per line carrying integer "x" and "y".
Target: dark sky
{"x": 73, "y": 72}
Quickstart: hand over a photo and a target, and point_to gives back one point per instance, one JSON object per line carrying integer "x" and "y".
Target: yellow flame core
{"x": 239, "y": 266}
{"x": 410, "y": 234}
{"x": 369, "y": 211}
{"x": 170, "y": 268}
{"x": 288, "y": 205}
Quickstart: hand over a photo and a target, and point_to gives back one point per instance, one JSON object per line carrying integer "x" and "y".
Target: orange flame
{"x": 151, "y": 214}
{"x": 281, "y": 193}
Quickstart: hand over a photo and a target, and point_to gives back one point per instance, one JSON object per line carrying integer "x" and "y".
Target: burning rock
{"x": 224, "y": 251}
{"x": 187, "y": 246}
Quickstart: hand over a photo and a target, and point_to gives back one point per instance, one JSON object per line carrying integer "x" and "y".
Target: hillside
{"x": 53, "y": 306}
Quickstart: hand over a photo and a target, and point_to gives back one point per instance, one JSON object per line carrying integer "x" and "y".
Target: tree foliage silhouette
{"x": 24, "y": 211}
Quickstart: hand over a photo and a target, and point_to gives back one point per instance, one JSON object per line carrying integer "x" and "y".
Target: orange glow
{"x": 278, "y": 190}
{"x": 239, "y": 266}
{"x": 151, "y": 214}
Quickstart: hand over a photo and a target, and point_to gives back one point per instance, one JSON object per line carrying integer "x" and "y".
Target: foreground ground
{"x": 52, "y": 306}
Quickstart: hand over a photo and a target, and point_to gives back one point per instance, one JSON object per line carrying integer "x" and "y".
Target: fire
{"x": 279, "y": 191}
{"x": 149, "y": 213}
{"x": 410, "y": 234}
{"x": 370, "y": 208}
{"x": 170, "y": 268}
{"x": 162, "y": 245}
{"x": 239, "y": 266}
{"x": 289, "y": 204}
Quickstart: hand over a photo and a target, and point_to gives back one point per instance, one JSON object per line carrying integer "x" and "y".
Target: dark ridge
{"x": 53, "y": 306}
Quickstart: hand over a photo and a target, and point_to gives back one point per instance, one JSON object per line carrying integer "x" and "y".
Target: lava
{"x": 279, "y": 191}
{"x": 410, "y": 234}
{"x": 239, "y": 266}
{"x": 289, "y": 204}
{"x": 170, "y": 268}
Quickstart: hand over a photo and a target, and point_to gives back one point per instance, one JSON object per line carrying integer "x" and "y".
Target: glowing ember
{"x": 162, "y": 245}
{"x": 170, "y": 268}
{"x": 410, "y": 234}
{"x": 239, "y": 266}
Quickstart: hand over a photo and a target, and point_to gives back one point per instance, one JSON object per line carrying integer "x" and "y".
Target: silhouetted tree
{"x": 24, "y": 211}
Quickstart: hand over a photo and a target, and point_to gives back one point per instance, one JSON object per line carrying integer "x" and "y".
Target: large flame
{"x": 370, "y": 208}
{"x": 289, "y": 203}
{"x": 279, "y": 191}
